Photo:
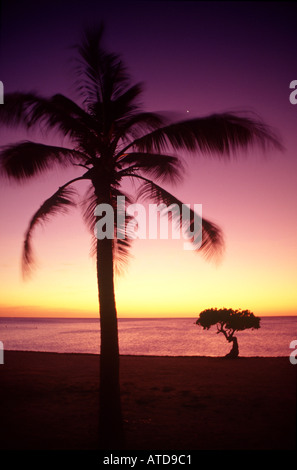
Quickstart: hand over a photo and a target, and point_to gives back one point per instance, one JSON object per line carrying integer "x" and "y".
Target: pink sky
{"x": 202, "y": 59}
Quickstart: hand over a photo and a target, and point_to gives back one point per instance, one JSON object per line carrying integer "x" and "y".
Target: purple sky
{"x": 201, "y": 57}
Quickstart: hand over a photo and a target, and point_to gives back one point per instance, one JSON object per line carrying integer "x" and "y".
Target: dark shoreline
{"x": 50, "y": 401}
{"x": 25, "y": 351}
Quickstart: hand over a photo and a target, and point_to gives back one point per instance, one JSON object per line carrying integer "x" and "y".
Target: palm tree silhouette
{"x": 112, "y": 139}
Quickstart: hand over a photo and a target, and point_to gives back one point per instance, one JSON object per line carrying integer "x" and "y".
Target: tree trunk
{"x": 110, "y": 415}
{"x": 234, "y": 351}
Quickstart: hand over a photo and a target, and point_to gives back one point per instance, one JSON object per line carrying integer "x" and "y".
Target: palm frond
{"x": 114, "y": 111}
{"x": 208, "y": 240}
{"x": 61, "y": 113}
{"x": 57, "y": 113}
{"x": 16, "y": 109}
{"x": 123, "y": 238}
{"x": 160, "y": 166}
{"x": 121, "y": 241}
{"x": 102, "y": 75}
{"x": 58, "y": 203}
{"x": 126, "y": 103}
{"x": 221, "y": 134}
{"x": 131, "y": 127}
{"x": 26, "y": 159}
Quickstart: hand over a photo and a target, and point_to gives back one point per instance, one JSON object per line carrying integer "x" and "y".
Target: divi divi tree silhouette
{"x": 111, "y": 140}
{"x": 228, "y": 321}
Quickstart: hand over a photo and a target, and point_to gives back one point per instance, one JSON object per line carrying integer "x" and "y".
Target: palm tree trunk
{"x": 110, "y": 415}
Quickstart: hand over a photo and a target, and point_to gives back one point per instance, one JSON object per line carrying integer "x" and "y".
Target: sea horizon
{"x": 129, "y": 318}
{"x": 177, "y": 336}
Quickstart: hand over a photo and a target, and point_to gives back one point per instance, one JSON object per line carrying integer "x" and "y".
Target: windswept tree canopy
{"x": 228, "y": 320}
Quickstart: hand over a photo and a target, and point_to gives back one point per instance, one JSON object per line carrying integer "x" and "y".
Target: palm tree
{"x": 111, "y": 139}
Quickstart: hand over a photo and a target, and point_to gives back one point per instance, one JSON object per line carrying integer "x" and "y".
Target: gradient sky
{"x": 201, "y": 57}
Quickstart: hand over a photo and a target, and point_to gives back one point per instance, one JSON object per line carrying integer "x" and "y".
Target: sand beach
{"x": 50, "y": 401}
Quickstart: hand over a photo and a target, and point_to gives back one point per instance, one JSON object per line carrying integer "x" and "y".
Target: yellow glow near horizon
{"x": 162, "y": 280}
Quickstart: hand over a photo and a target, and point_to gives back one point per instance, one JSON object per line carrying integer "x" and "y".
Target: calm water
{"x": 162, "y": 337}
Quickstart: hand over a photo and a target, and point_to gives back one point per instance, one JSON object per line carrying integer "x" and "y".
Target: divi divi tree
{"x": 228, "y": 321}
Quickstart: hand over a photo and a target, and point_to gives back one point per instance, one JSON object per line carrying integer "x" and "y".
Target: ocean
{"x": 146, "y": 336}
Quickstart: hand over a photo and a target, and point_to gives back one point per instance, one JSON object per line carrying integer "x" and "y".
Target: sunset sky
{"x": 195, "y": 58}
